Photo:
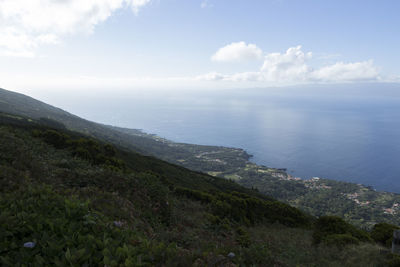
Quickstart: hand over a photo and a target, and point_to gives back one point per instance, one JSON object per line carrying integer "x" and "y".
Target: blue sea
{"x": 343, "y": 132}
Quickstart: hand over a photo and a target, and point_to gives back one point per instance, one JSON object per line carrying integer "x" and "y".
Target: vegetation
{"x": 66, "y": 231}
{"x": 383, "y": 233}
{"x": 110, "y": 206}
{"x": 358, "y": 204}
{"x": 87, "y": 197}
{"x": 335, "y": 231}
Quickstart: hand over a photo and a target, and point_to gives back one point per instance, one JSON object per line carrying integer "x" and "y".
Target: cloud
{"x": 137, "y": 4}
{"x": 340, "y": 71}
{"x": 239, "y": 51}
{"x": 28, "y": 24}
{"x": 293, "y": 67}
{"x": 286, "y": 67}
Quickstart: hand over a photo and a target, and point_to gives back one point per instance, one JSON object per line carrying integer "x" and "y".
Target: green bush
{"x": 194, "y": 194}
{"x": 383, "y": 233}
{"x": 109, "y": 150}
{"x": 55, "y": 138}
{"x": 82, "y": 153}
{"x": 84, "y": 148}
{"x": 242, "y": 237}
{"x": 248, "y": 210}
{"x": 326, "y": 226}
{"x": 66, "y": 232}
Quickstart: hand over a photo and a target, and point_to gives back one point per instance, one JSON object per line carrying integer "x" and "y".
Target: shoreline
{"x": 247, "y": 157}
{"x": 360, "y": 204}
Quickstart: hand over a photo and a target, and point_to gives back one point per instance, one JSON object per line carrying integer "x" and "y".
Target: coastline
{"x": 359, "y": 204}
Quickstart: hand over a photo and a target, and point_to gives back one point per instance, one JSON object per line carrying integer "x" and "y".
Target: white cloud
{"x": 137, "y": 4}
{"x": 239, "y": 51}
{"x": 286, "y": 67}
{"x": 27, "y": 24}
{"x": 293, "y": 67}
{"x": 340, "y": 71}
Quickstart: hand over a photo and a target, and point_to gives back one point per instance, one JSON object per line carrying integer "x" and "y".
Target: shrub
{"x": 333, "y": 225}
{"x": 383, "y": 233}
{"x": 65, "y": 232}
{"x": 194, "y": 194}
{"x": 242, "y": 237}
{"x": 84, "y": 148}
{"x": 248, "y": 210}
{"x": 55, "y": 138}
{"x": 109, "y": 150}
{"x": 82, "y": 153}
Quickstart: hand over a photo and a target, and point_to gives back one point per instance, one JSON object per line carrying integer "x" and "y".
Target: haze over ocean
{"x": 343, "y": 132}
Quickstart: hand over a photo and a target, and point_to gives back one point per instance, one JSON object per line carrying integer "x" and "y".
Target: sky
{"x": 94, "y": 45}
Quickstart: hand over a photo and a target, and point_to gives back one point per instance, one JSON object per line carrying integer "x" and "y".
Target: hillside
{"x": 359, "y": 204}
{"x": 69, "y": 199}
{"x": 19, "y": 104}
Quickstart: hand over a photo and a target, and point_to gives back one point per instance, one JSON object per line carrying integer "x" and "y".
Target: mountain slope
{"x": 359, "y": 204}
{"x": 15, "y": 103}
{"x": 68, "y": 199}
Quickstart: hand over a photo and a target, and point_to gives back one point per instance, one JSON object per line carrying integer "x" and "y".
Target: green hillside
{"x": 358, "y": 204}
{"x": 81, "y": 201}
{"x": 19, "y": 104}
{"x": 82, "y": 193}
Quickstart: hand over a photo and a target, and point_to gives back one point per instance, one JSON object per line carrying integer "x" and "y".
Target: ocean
{"x": 344, "y": 132}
